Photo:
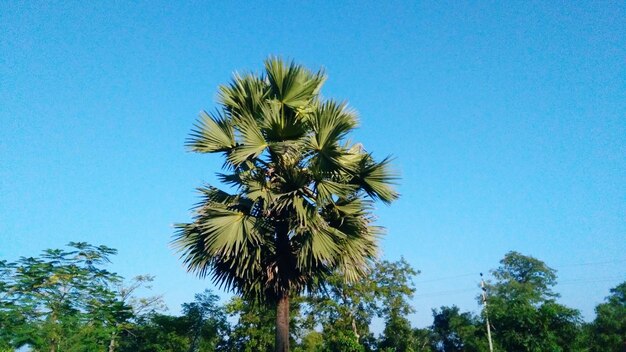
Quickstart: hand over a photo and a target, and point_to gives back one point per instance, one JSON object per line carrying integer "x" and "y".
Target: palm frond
{"x": 376, "y": 179}
{"x": 252, "y": 142}
{"x": 244, "y": 96}
{"x": 327, "y": 190}
{"x": 212, "y": 133}
{"x": 292, "y": 85}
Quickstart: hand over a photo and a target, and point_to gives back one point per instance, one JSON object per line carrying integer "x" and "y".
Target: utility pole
{"x": 482, "y": 285}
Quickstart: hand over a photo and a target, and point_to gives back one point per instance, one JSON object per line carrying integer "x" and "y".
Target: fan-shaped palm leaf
{"x": 303, "y": 202}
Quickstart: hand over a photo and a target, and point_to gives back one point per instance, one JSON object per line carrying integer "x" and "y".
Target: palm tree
{"x": 302, "y": 198}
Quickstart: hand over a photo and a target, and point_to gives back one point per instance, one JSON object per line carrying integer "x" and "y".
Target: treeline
{"x": 66, "y": 300}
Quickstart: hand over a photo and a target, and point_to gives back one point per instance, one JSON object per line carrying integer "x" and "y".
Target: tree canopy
{"x": 523, "y": 310}
{"x": 106, "y": 313}
{"x": 302, "y": 192}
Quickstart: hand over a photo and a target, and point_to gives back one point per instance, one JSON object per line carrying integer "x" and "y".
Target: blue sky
{"x": 507, "y": 121}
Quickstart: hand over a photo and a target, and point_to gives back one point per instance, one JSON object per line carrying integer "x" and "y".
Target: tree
{"x": 254, "y": 326}
{"x": 208, "y": 322}
{"x": 60, "y": 300}
{"x": 65, "y": 300}
{"x": 345, "y": 310}
{"x": 126, "y": 308}
{"x": 312, "y": 341}
{"x": 423, "y": 340}
{"x": 158, "y": 333}
{"x": 523, "y": 310}
{"x": 201, "y": 327}
{"x": 456, "y": 331}
{"x": 395, "y": 287}
{"x": 608, "y": 330}
{"x": 12, "y": 321}
{"x": 302, "y": 207}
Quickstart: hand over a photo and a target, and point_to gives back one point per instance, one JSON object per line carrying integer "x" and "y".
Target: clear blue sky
{"x": 507, "y": 121}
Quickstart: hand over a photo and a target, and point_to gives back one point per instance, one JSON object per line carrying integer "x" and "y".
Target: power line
{"x": 590, "y": 280}
{"x": 594, "y": 263}
{"x": 446, "y": 278}
{"x": 444, "y": 293}
{"x": 451, "y": 277}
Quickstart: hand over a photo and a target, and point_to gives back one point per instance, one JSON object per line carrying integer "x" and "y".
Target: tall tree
{"x": 344, "y": 310}
{"x": 455, "y": 331}
{"x": 125, "y": 308}
{"x": 303, "y": 193}
{"x": 395, "y": 287}
{"x": 51, "y": 300}
{"x": 203, "y": 326}
{"x": 608, "y": 330}
{"x": 523, "y": 308}
{"x": 208, "y": 322}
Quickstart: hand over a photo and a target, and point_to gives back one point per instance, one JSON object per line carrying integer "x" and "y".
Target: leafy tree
{"x": 398, "y": 335}
{"x": 608, "y": 330}
{"x": 312, "y": 341}
{"x": 65, "y": 300}
{"x": 208, "y": 322}
{"x": 394, "y": 288}
{"x": 342, "y": 340}
{"x": 422, "y": 338}
{"x": 56, "y": 295}
{"x": 345, "y": 310}
{"x": 12, "y": 321}
{"x": 157, "y": 333}
{"x": 303, "y": 193}
{"x": 526, "y": 277}
{"x": 202, "y": 327}
{"x": 523, "y": 310}
{"x": 126, "y": 309}
{"x": 456, "y": 331}
{"x": 254, "y": 327}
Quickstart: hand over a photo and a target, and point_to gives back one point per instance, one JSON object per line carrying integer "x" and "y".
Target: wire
{"x": 446, "y": 278}
{"x": 595, "y": 263}
{"x": 418, "y": 281}
{"x": 444, "y": 293}
{"x": 590, "y": 280}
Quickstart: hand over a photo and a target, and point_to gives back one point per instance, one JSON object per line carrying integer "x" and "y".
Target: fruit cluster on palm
{"x": 301, "y": 194}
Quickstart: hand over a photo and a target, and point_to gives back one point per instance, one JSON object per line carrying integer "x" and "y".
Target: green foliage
{"x": 523, "y": 311}
{"x": 158, "y": 333}
{"x": 456, "y": 331}
{"x": 312, "y": 341}
{"x": 303, "y": 193}
{"x": 254, "y": 329}
{"x": 103, "y": 313}
{"x": 422, "y": 340}
{"x": 524, "y": 277}
{"x": 608, "y": 330}
{"x": 51, "y": 300}
{"x": 64, "y": 300}
{"x": 350, "y": 307}
{"x": 202, "y": 327}
{"x": 394, "y": 288}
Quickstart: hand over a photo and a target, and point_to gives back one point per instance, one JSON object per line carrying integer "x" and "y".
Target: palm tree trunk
{"x": 286, "y": 262}
{"x": 282, "y": 324}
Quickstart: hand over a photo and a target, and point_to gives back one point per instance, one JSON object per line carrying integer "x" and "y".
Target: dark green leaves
{"x": 212, "y": 134}
{"x": 293, "y": 85}
{"x": 375, "y": 179}
{"x": 299, "y": 211}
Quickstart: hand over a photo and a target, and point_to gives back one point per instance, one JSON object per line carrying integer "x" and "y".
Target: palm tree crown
{"x": 302, "y": 194}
